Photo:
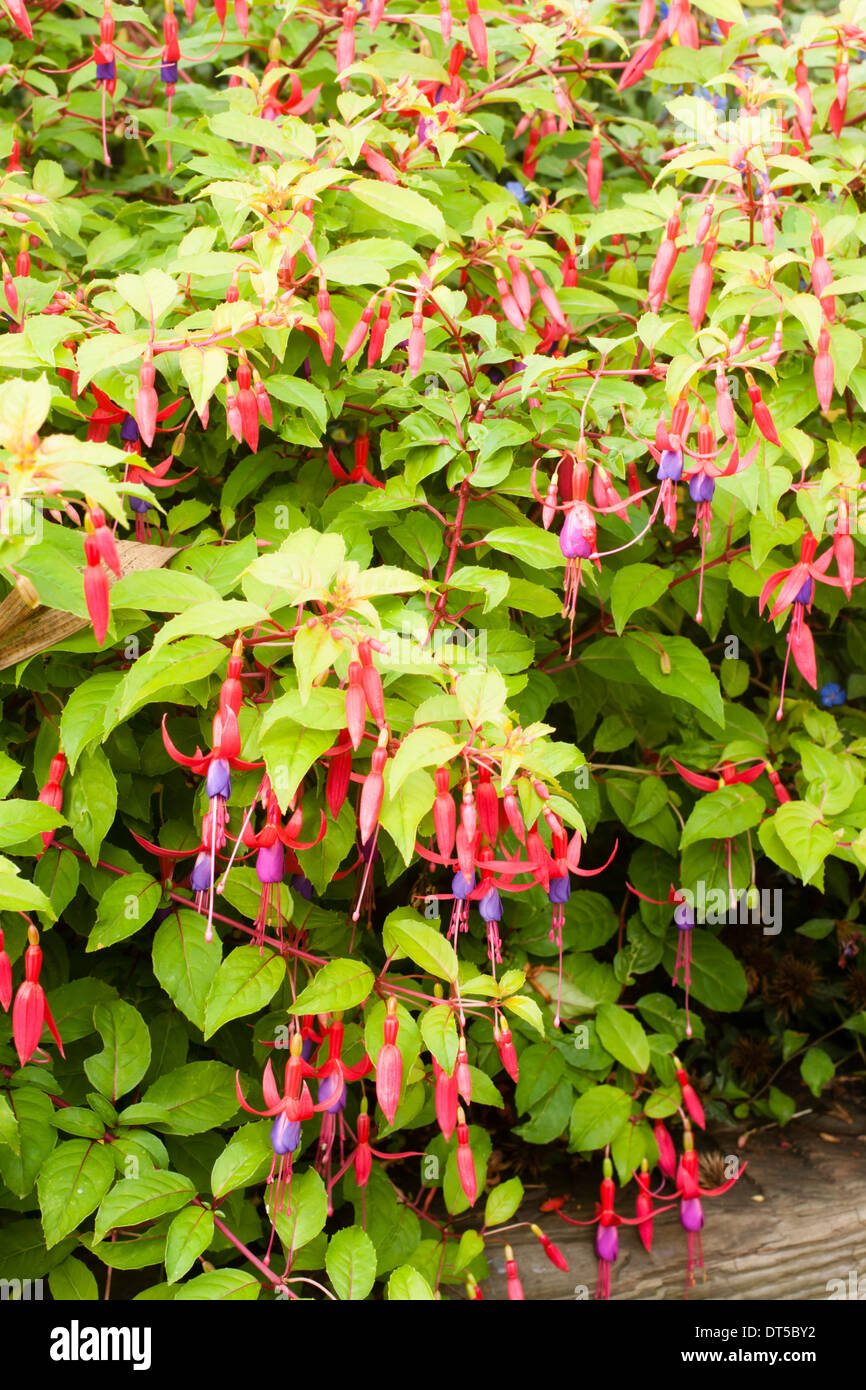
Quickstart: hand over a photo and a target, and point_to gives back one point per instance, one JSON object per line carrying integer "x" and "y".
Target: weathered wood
{"x": 794, "y": 1223}
{"x": 25, "y": 632}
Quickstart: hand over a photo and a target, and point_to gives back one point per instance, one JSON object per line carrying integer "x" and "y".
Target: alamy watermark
{"x": 21, "y": 518}
{"x": 21, "y": 1290}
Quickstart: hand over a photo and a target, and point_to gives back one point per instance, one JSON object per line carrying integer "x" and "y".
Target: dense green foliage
{"x": 502, "y": 226}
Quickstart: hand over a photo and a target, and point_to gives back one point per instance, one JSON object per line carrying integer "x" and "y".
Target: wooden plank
{"x": 25, "y": 631}
{"x": 793, "y": 1224}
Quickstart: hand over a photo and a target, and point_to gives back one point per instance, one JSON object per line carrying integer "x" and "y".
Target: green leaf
{"x": 339, "y": 985}
{"x": 781, "y": 1105}
{"x": 403, "y": 811}
{"x": 289, "y": 751}
{"x": 212, "y": 619}
{"x": 718, "y": 978}
{"x": 623, "y": 1037}
{"x": 72, "y": 1183}
{"x": 151, "y": 294}
{"x": 246, "y": 981}
{"x": 502, "y": 1202}
{"x": 197, "y": 1097}
{"x": 351, "y": 1263}
{"x": 314, "y": 652}
{"x": 37, "y": 1137}
{"x": 406, "y": 1285}
{"x": 304, "y": 1212}
{"x": 126, "y": 905}
{"x": 185, "y": 964}
{"x": 527, "y": 1010}
{"x": 245, "y": 1160}
{"x": 426, "y": 747}
{"x": 723, "y": 814}
{"x": 203, "y": 369}
{"x": 155, "y": 591}
{"x": 189, "y": 1235}
{"x": 92, "y": 802}
{"x": 530, "y": 544}
{"x": 636, "y": 586}
{"x": 57, "y": 875}
{"x": 84, "y": 712}
{"x": 21, "y": 820}
{"x": 817, "y": 1069}
{"x": 597, "y": 1116}
{"x": 10, "y": 1134}
{"x": 125, "y": 1056}
{"x": 406, "y": 933}
{"x": 73, "y": 1282}
{"x": 133, "y": 1201}
{"x": 798, "y": 825}
{"x": 439, "y": 1031}
{"x": 401, "y": 204}
{"x": 17, "y": 894}
{"x": 676, "y": 667}
{"x": 481, "y": 696}
{"x": 221, "y": 1286}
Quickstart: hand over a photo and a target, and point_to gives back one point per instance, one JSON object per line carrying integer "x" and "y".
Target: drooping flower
{"x": 607, "y": 1220}
{"x": 797, "y": 592}
{"x": 690, "y": 1194}
{"x": 466, "y": 1160}
{"x": 215, "y": 767}
{"x": 30, "y": 1012}
{"x": 290, "y": 1109}
{"x": 684, "y": 921}
{"x": 514, "y": 1286}
{"x": 271, "y": 842}
{"x": 5, "y": 976}
{"x": 389, "y": 1065}
{"x": 52, "y": 793}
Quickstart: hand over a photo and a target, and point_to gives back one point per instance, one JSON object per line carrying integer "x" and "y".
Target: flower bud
{"x": 389, "y": 1066}
{"x": 465, "y": 1161}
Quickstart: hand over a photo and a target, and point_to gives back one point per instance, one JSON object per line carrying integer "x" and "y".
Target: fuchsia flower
{"x": 465, "y": 1160}
{"x": 729, "y": 776}
{"x": 507, "y": 1052}
{"x": 446, "y": 1099}
{"x": 389, "y": 1065}
{"x": 216, "y": 767}
{"x": 360, "y": 473}
{"x": 362, "y": 1157}
{"x": 607, "y": 1221}
{"x": 98, "y": 546}
{"x": 473, "y": 851}
{"x": 690, "y": 1099}
{"x": 667, "y": 1151}
{"x": 691, "y": 1212}
{"x": 515, "y": 1288}
{"x": 702, "y": 484}
{"x": 30, "y": 1012}
{"x": 334, "y": 1068}
{"x": 797, "y": 592}
{"x": 5, "y": 976}
{"x": 553, "y": 1252}
{"x": 272, "y": 841}
{"x": 52, "y": 793}
{"x": 684, "y": 921}
{"x": 291, "y": 1108}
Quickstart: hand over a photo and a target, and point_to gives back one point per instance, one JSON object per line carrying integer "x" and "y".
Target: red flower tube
{"x": 30, "y": 1011}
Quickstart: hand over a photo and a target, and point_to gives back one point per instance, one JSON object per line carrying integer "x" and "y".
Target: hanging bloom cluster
{"x": 468, "y": 844}
{"x": 649, "y": 1202}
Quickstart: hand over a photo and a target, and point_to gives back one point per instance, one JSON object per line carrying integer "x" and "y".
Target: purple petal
{"x": 607, "y": 1243}
{"x": 691, "y": 1214}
